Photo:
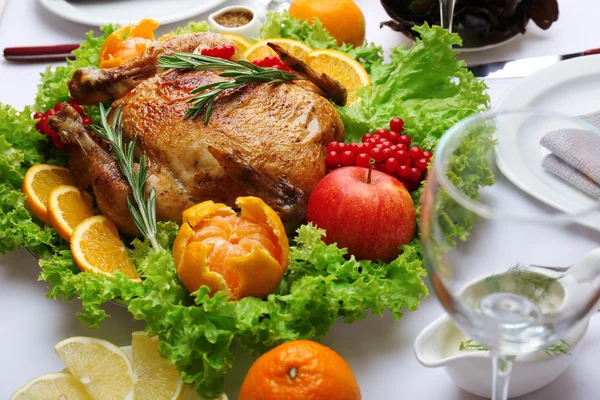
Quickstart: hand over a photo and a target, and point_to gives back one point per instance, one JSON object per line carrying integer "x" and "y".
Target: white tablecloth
{"x": 379, "y": 350}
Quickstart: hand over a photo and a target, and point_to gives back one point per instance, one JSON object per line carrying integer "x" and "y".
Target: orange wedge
{"x": 97, "y": 248}
{"x": 240, "y": 42}
{"x": 67, "y": 207}
{"x": 260, "y": 50}
{"x": 342, "y": 67}
{"x": 39, "y": 182}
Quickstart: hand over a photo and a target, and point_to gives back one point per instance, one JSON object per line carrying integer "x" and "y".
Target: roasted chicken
{"x": 265, "y": 140}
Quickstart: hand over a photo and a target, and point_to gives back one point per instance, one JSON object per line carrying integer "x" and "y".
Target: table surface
{"x": 379, "y": 350}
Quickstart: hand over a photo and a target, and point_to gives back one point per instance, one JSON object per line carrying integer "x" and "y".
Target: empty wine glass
{"x": 486, "y": 241}
{"x": 447, "y": 13}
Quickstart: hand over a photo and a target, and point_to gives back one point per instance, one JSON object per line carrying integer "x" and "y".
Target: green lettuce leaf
{"x": 200, "y": 26}
{"x": 426, "y": 86}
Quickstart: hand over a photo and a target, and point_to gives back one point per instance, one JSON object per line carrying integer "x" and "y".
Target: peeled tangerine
{"x": 127, "y": 43}
{"x": 243, "y": 255}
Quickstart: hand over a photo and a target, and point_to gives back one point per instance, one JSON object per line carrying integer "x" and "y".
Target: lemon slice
{"x": 240, "y": 42}
{"x": 260, "y": 50}
{"x": 102, "y": 368}
{"x": 59, "y": 385}
{"x": 341, "y": 67}
{"x": 155, "y": 379}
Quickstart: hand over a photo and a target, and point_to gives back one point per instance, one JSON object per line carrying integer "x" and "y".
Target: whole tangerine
{"x": 300, "y": 370}
{"x": 342, "y": 18}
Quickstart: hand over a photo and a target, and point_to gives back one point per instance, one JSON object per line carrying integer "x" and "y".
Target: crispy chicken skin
{"x": 265, "y": 140}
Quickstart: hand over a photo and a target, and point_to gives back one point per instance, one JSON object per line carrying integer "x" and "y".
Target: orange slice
{"x": 260, "y": 50}
{"x": 39, "y": 182}
{"x": 67, "y": 207}
{"x": 97, "y": 248}
{"x": 342, "y": 67}
{"x": 240, "y": 42}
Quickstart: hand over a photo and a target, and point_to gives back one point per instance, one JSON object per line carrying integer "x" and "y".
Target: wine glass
{"x": 447, "y": 13}
{"x": 514, "y": 274}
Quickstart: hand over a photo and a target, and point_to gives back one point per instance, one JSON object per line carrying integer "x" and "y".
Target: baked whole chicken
{"x": 264, "y": 140}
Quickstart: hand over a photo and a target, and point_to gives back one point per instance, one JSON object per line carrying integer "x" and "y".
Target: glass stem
{"x": 502, "y": 366}
{"x": 447, "y": 13}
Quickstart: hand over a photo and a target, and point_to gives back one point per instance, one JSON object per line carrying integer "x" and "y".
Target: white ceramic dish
{"x": 248, "y": 31}
{"x": 571, "y": 87}
{"x": 461, "y": 49}
{"x": 472, "y": 370}
{"x": 102, "y": 12}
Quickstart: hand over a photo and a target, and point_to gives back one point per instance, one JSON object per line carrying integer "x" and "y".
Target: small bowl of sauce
{"x": 239, "y": 20}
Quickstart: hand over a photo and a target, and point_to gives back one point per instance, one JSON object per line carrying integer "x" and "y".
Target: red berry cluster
{"x": 390, "y": 150}
{"x": 225, "y": 52}
{"x": 44, "y": 128}
{"x": 272, "y": 62}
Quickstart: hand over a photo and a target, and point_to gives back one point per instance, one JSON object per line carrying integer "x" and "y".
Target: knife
{"x": 521, "y": 67}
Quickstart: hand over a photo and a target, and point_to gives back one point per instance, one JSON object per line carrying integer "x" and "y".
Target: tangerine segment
{"x": 127, "y": 43}
{"x": 342, "y": 67}
{"x": 260, "y": 50}
{"x": 97, "y": 248}
{"x": 39, "y": 182}
{"x": 67, "y": 207}
{"x": 244, "y": 255}
{"x": 300, "y": 370}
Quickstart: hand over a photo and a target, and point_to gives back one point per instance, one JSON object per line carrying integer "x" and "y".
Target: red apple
{"x": 371, "y": 218}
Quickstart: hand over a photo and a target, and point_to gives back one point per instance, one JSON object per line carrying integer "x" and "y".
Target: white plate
{"x": 103, "y": 12}
{"x": 570, "y": 87}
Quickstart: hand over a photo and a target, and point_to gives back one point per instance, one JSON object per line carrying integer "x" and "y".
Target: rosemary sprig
{"x": 142, "y": 210}
{"x": 242, "y": 72}
{"x": 561, "y": 347}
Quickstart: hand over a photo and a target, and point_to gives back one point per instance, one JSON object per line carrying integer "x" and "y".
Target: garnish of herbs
{"x": 142, "y": 209}
{"x": 561, "y": 347}
{"x": 242, "y": 72}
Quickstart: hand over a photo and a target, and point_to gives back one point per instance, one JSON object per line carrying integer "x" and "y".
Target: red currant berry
{"x": 366, "y": 137}
{"x": 362, "y": 160}
{"x": 78, "y": 108}
{"x": 57, "y": 142}
{"x": 405, "y": 140}
{"x": 415, "y": 153}
{"x": 377, "y": 154}
{"x": 403, "y": 172}
{"x": 393, "y": 137}
{"x": 387, "y": 153}
{"x": 396, "y": 124}
{"x": 51, "y": 132}
{"x": 391, "y": 165}
{"x": 347, "y": 158}
{"x": 58, "y": 107}
{"x": 384, "y": 133}
{"x": 332, "y": 146}
{"x": 342, "y": 147}
{"x": 373, "y": 141}
{"x": 38, "y": 115}
{"x": 87, "y": 121}
{"x": 406, "y": 185}
{"x": 401, "y": 146}
{"x": 376, "y": 137}
{"x": 379, "y": 166}
{"x": 421, "y": 165}
{"x": 380, "y": 146}
{"x": 332, "y": 160}
{"x": 402, "y": 157}
{"x": 387, "y": 144}
{"x": 271, "y": 61}
{"x": 228, "y": 51}
{"x": 358, "y": 148}
{"x": 50, "y": 112}
{"x": 259, "y": 63}
{"x": 207, "y": 52}
{"x": 367, "y": 147}
{"x": 427, "y": 155}
{"x": 71, "y": 101}
{"x": 415, "y": 175}
{"x": 39, "y": 126}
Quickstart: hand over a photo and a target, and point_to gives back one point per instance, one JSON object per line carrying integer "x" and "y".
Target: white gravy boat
{"x": 437, "y": 346}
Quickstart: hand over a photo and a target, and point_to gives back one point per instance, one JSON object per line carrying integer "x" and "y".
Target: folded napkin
{"x": 575, "y": 156}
